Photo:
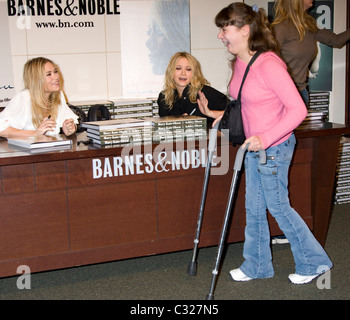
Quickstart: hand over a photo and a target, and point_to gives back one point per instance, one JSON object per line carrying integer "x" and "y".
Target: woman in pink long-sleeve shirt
{"x": 271, "y": 105}
{"x": 271, "y": 109}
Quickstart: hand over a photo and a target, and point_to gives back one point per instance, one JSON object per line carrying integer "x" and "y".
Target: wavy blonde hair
{"x": 197, "y": 80}
{"x": 294, "y": 11}
{"x": 34, "y": 81}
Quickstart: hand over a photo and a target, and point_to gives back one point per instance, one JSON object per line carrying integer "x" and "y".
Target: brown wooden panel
{"x": 50, "y": 175}
{"x": 186, "y": 193}
{"x": 33, "y": 224}
{"x": 325, "y": 151}
{"x": 300, "y": 188}
{"x": 178, "y": 205}
{"x": 112, "y": 214}
{"x": 303, "y": 151}
{"x": 18, "y": 179}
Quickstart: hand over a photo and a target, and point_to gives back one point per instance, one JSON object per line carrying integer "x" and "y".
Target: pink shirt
{"x": 271, "y": 104}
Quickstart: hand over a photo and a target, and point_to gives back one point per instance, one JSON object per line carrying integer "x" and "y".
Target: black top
{"x": 216, "y": 101}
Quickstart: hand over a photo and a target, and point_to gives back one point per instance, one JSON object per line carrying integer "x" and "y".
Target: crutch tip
{"x": 192, "y": 268}
{"x": 209, "y": 297}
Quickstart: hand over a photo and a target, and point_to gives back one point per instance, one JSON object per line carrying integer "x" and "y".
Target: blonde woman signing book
{"x": 41, "y": 107}
{"x": 183, "y": 81}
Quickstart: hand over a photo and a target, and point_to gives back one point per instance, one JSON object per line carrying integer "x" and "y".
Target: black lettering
{"x": 56, "y": 7}
{"x": 40, "y": 5}
{"x": 20, "y": 10}
{"x": 92, "y": 7}
{"x": 82, "y": 7}
{"x": 100, "y": 7}
{"x": 108, "y": 9}
{"x": 11, "y": 7}
{"x": 30, "y": 7}
{"x": 116, "y": 7}
{"x": 49, "y": 8}
{"x": 58, "y": 10}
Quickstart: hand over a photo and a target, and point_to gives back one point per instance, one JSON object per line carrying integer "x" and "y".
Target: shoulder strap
{"x": 255, "y": 56}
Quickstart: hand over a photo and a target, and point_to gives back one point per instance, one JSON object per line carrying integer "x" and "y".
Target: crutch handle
{"x": 262, "y": 156}
{"x": 240, "y": 155}
{"x": 212, "y": 137}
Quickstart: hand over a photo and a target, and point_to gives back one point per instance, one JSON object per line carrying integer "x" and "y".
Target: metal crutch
{"x": 192, "y": 267}
{"x": 236, "y": 169}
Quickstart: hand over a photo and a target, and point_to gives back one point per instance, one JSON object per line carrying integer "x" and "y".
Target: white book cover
{"x": 39, "y": 142}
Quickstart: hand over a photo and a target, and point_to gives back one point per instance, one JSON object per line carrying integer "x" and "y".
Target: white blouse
{"x": 18, "y": 114}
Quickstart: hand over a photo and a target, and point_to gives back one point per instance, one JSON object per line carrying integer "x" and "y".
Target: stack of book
{"x": 146, "y": 130}
{"x": 342, "y": 181}
{"x": 86, "y": 105}
{"x": 172, "y": 128}
{"x": 119, "y": 131}
{"x": 318, "y": 109}
{"x": 155, "y": 108}
{"x": 120, "y": 109}
{"x": 319, "y": 102}
{"x": 132, "y": 109}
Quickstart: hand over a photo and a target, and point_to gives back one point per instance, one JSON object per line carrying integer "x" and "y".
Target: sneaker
{"x": 279, "y": 239}
{"x": 298, "y": 279}
{"x": 238, "y": 275}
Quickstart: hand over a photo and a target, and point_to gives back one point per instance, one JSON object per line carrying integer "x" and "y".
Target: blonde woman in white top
{"x": 41, "y": 108}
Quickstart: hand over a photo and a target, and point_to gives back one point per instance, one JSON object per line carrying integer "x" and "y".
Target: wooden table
{"x": 89, "y": 204}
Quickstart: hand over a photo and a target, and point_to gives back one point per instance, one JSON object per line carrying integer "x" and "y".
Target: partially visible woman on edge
{"x": 297, "y": 35}
{"x": 271, "y": 109}
{"x": 41, "y": 107}
{"x": 183, "y": 80}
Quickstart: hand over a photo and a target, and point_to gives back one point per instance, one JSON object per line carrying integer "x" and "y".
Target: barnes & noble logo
{"x": 163, "y": 158}
{"x": 62, "y": 7}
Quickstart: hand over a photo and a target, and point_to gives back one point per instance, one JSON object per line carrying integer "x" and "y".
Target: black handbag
{"x": 232, "y": 118}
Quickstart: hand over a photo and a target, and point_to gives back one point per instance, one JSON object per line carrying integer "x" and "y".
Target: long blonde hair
{"x": 34, "y": 81}
{"x": 294, "y": 11}
{"x": 197, "y": 81}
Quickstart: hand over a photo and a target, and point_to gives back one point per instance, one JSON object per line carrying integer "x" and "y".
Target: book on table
{"x": 115, "y": 124}
{"x": 41, "y": 141}
{"x": 178, "y": 127}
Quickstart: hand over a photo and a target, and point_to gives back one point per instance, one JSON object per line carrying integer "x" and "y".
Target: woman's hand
{"x": 203, "y": 104}
{"x": 203, "y": 107}
{"x": 255, "y": 143}
{"x": 69, "y": 127}
{"x": 47, "y": 125}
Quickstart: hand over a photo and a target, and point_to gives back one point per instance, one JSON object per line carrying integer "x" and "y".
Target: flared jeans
{"x": 267, "y": 189}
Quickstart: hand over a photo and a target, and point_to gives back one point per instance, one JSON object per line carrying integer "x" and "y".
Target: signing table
{"x": 90, "y": 204}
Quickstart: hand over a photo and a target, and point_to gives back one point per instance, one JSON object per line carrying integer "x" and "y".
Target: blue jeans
{"x": 305, "y": 96}
{"x": 267, "y": 188}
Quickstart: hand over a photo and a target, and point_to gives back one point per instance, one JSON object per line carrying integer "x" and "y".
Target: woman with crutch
{"x": 271, "y": 109}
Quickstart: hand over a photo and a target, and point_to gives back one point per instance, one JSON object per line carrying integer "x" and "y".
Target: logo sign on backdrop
{"x": 151, "y": 31}
{"x": 7, "y": 87}
{"x": 62, "y": 7}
